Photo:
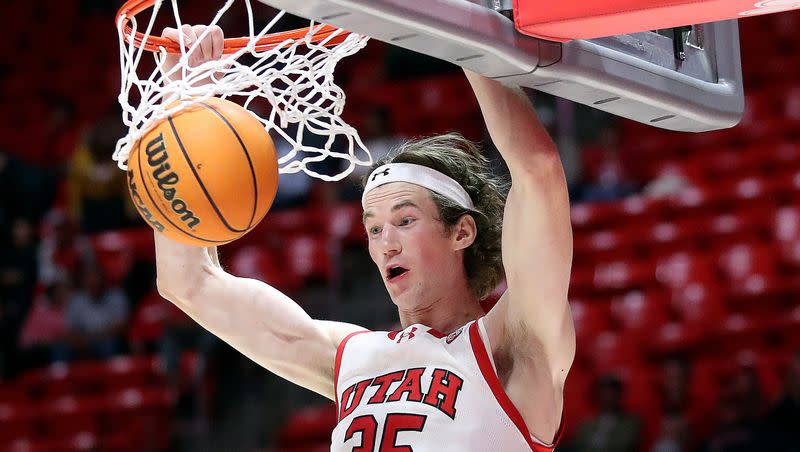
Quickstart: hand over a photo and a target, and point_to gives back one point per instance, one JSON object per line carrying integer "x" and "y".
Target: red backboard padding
{"x": 565, "y": 21}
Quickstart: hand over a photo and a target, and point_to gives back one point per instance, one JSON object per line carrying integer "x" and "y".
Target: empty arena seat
{"x": 676, "y": 337}
{"x": 592, "y": 216}
{"x": 749, "y": 224}
{"x": 309, "y": 257}
{"x": 621, "y": 275}
{"x": 17, "y": 420}
{"x": 699, "y": 304}
{"x": 640, "y": 311}
{"x": 667, "y": 237}
{"x": 68, "y": 416}
{"x": 146, "y": 412}
{"x": 257, "y": 262}
{"x": 308, "y": 425}
{"x": 750, "y": 272}
{"x": 682, "y": 268}
{"x": 610, "y": 350}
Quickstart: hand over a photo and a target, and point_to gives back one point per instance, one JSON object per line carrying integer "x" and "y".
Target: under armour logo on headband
{"x": 385, "y": 172}
{"x": 419, "y": 175}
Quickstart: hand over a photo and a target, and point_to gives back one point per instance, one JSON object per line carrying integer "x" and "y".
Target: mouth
{"x": 394, "y": 272}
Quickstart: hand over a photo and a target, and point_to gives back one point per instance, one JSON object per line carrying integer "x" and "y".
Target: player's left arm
{"x": 537, "y": 236}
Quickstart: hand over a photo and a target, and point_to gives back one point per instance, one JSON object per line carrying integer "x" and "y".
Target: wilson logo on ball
{"x": 157, "y": 158}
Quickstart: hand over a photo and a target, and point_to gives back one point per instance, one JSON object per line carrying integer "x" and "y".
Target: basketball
{"x": 205, "y": 175}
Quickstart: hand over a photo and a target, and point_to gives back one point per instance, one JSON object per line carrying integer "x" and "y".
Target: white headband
{"x": 419, "y": 175}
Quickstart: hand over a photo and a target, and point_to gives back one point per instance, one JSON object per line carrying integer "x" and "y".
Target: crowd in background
{"x": 58, "y": 303}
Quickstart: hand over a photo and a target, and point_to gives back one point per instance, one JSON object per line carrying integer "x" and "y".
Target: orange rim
{"x": 232, "y": 45}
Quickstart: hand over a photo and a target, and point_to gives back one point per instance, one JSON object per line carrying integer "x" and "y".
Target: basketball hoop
{"x": 290, "y": 76}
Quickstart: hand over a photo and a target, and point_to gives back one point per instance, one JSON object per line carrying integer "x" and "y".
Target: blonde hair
{"x": 461, "y": 159}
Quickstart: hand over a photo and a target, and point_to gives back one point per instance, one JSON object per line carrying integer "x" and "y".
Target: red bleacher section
{"x": 120, "y": 405}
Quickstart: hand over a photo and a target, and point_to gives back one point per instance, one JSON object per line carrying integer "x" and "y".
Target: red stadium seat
{"x": 309, "y": 257}
{"x": 115, "y": 255}
{"x": 750, "y": 224}
{"x": 751, "y": 274}
{"x": 145, "y": 412}
{"x": 17, "y": 420}
{"x": 698, "y": 304}
{"x": 670, "y": 236}
{"x": 640, "y": 311}
{"x": 591, "y": 317}
{"x": 610, "y": 350}
{"x": 68, "y": 416}
{"x": 594, "y": 216}
{"x": 51, "y": 382}
{"x": 256, "y": 262}
{"x": 674, "y": 338}
{"x": 308, "y": 425}
{"x": 623, "y": 275}
{"x": 683, "y": 268}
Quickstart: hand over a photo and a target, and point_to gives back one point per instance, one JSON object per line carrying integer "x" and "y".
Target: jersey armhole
{"x": 337, "y": 365}
{"x": 479, "y": 340}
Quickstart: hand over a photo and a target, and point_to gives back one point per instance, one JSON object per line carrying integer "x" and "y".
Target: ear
{"x": 465, "y": 232}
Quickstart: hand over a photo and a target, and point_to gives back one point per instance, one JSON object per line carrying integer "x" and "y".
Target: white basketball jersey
{"x": 419, "y": 390}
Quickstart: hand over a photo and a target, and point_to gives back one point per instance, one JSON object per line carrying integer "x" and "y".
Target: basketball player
{"x": 453, "y": 379}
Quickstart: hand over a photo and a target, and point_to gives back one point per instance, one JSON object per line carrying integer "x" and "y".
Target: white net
{"x": 295, "y": 78}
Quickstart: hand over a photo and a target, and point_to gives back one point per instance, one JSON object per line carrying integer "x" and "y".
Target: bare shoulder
{"x": 338, "y": 331}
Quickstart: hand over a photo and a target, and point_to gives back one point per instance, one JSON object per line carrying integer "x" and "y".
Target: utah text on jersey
{"x": 420, "y": 390}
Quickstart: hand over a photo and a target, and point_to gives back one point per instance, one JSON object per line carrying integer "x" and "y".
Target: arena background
{"x": 684, "y": 289}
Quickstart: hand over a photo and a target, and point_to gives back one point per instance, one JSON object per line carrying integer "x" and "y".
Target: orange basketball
{"x": 205, "y": 175}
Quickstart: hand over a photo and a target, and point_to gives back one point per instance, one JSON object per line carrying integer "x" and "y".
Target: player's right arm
{"x": 253, "y": 317}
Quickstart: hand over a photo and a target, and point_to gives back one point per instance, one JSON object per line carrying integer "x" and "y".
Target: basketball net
{"x": 291, "y": 71}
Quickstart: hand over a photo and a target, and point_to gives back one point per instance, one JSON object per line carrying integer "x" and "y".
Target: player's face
{"x": 407, "y": 242}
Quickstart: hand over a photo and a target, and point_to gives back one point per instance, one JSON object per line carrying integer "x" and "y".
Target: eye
{"x": 374, "y": 230}
{"x": 406, "y": 221}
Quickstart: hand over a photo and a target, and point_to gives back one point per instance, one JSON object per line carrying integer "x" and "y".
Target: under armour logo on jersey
{"x": 406, "y": 335}
{"x": 385, "y": 172}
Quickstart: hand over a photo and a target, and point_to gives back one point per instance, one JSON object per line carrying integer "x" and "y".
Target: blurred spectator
{"x": 603, "y": 173}
{"x": 671, "y": 179}
{"x": 98, "y": 195}
{"x": 25, "y": 190}
{"x": 62, "y": 131}
{"x": 674, "y": 435}
{"x": 96, "y": 318}
{"x": 17, "y": 278}
{"x": 738, "y": 416}
{"x": 18, "y": 263}
{"x": 683, "y": 410}
{"x": 613, "y": 430}
{"x": 45, "y": 328}
{"x": 63, "y": 250}
{"x": 783, "y": 418}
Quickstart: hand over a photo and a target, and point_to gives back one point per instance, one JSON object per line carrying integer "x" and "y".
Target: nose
{"x": 390, "y": 242}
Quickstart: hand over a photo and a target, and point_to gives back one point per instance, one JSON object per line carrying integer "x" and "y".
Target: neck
{"x": 445, "y": 313}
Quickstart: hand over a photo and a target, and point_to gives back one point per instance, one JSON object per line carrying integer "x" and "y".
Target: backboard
{"x": 689, "y": 84}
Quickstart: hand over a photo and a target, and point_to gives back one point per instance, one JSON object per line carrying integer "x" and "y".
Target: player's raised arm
{"x": 256, "y": 319}
{"x": 537, "y": 234}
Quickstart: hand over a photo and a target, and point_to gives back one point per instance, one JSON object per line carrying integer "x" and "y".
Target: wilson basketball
{"x": 205, "y": 175}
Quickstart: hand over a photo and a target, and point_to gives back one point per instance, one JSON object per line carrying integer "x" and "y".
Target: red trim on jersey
{"x": 485, "y": 364}
{"x": 436, "y": 333}
{"x": 337, "y": 364}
